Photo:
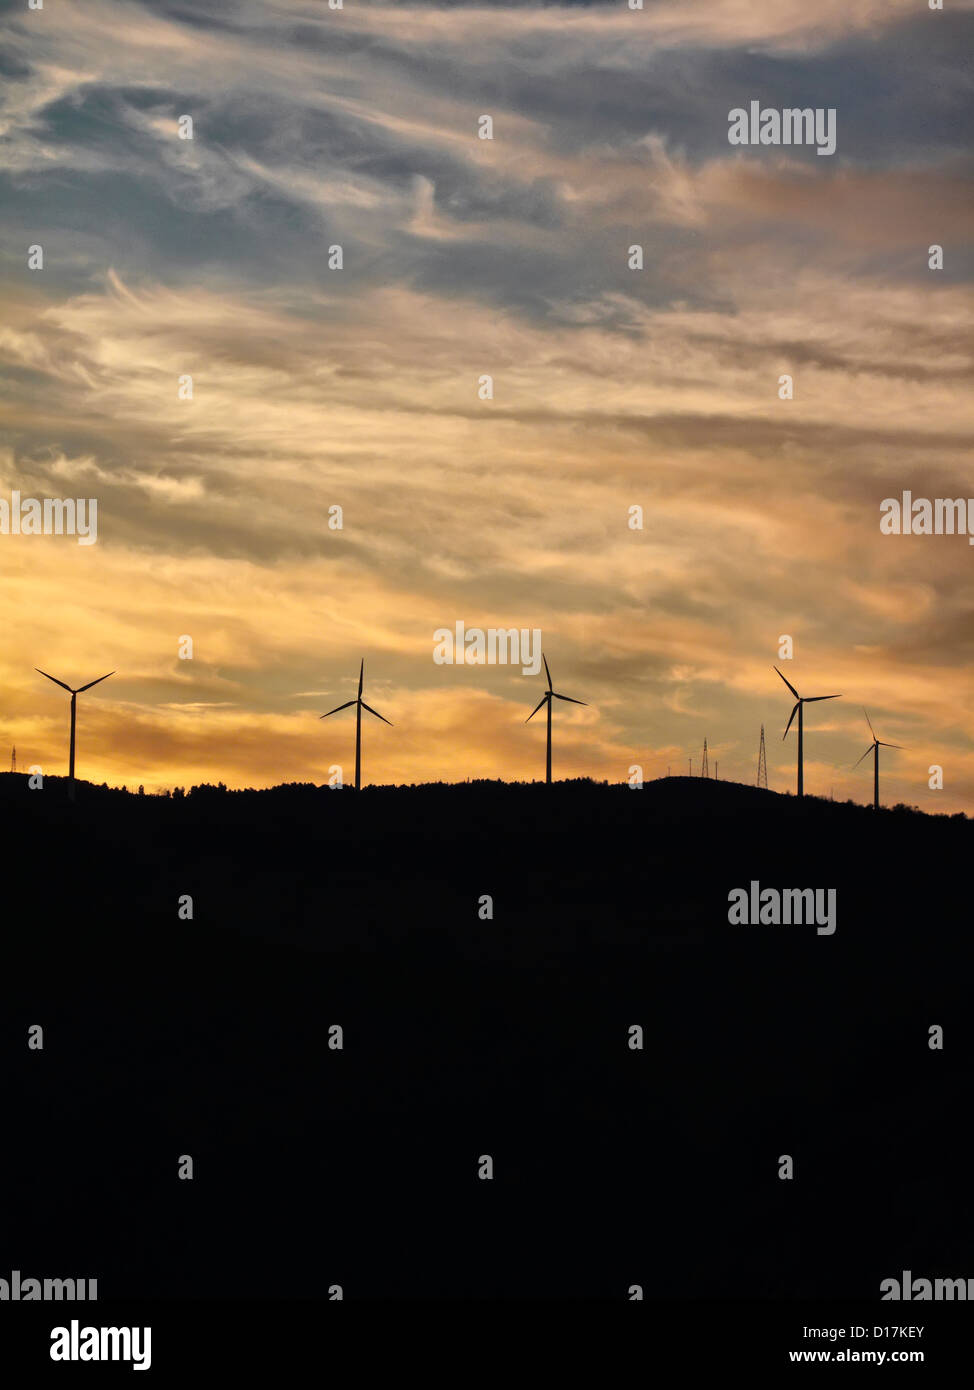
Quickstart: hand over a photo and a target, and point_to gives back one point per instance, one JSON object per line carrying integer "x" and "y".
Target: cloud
{"x": 612, "y": 387}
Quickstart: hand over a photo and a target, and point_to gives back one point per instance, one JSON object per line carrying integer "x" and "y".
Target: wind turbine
{"x": 547, "y": 698}
{"x": 74, "y": 701}
{"x": 801, "y": 701}
{"x": 874, "y": 748}
{"x": 360, "y": 705}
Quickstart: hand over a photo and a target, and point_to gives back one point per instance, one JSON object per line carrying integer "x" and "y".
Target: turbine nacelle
{"x": 68, "y": 688}
{"x": 801, "y": 700}
{"x": 358, "y": 701}
{"x": 550, "y": 694}
{"x": 876, "y": 743}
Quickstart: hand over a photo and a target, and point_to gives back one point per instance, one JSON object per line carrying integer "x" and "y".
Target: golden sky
{"x": 613, "y": 388}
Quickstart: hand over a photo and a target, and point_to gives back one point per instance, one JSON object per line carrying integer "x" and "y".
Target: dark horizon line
{"x": 220, "y": 789}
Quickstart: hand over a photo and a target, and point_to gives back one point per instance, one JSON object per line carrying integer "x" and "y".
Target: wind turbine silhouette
{"x": 874, "y": 748}
{"x": 360, "y": 705}
{"x": 547, "y": 698}
{"x": 801, "y": 701}
{"x": 74, "y": 701}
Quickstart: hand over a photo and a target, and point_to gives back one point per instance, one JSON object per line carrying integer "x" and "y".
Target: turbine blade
{"x": 377, "y": 714}
{"x": 809, "y": 699}
{"x": 338, "y": 707}
{"x": 361, "y": 677}
{"x": 865, "y": 755}
{"x": 97, "y": 682}
{"x": 793, "y": 713}
{"x": 546, "y": 671}
{"x": 871, "y": 729}
{"x": 790, "y": 686}
{"x": 55, "y": 680}
{"x": 568, "y": 698}
{"x": 888, "y": 745}
{"x": 536, "y": 708}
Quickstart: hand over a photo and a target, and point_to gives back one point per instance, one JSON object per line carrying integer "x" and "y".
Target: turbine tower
{"x": 800, "y": 702}
{"x": 74, "y": 700}
{"x": 360, "y": 705}
{"x": 874, "y": 748}
{"x": 546, "y": 699}
{"x": 762, "y": 763}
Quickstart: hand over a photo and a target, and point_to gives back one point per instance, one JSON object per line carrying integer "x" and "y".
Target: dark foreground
{"x": 465, "y": 1037}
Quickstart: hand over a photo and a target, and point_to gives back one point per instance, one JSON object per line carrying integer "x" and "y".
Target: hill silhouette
{"x": 464, "y": 1037}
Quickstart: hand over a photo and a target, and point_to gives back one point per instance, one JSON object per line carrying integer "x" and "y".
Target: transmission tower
{"x": 13, "y": 759}
{"x": 705, "y": 766}
{"x": 762, "y": 764}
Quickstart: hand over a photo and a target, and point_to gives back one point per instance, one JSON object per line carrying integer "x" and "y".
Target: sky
{"x": 613, "y": 388}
